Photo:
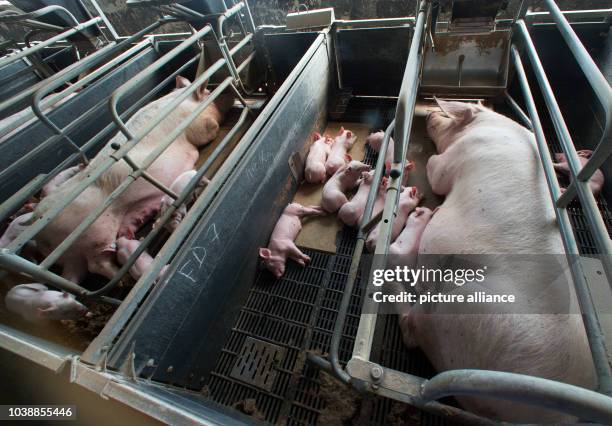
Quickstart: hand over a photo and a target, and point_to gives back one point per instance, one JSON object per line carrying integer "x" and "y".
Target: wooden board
{"x": 319, "y": 233}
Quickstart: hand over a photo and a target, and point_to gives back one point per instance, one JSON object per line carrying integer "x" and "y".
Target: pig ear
{"x": 348, "y": 158}
{"x": 182, "y": 82}
{"x": 418, "y": 212}
{"x": 452, "y": 108}
{"x": 341, "y": 130}
{"x": 264, "y": 253}
{"x": 201, "y": 92}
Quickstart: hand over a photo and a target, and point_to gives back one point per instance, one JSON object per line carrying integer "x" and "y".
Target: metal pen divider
{"x": 600, "y": 233}
{"x": 26, "y": 52}
{"x": 73, "y": 70}
{"x": 41, "y": 271}
{"x": 366, "y": 375}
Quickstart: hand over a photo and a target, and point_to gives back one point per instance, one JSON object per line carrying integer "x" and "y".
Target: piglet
{"x": 408, "y": 200}
{"x": 408, "y": 241}
{"x": 282, "y": 242}
{"x": 595, "y": 182}
{"x": 351, "y": 213}
{"x": 58, "y": 180}
{"x": 375, "y": 141}
{"x": 125, "y": 248}
{"x": 178, "y": 186}
{"x": 317, "y": 156}
{"x": 346, "y": 178}
{"x": 15, "y": 228}
{"x": 338, "y": 156}
{"x": 36, "y": 303}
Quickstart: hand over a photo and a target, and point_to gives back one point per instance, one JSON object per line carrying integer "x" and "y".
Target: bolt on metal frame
{"x": 368, "y": 376}
{"x": 9, "y": 257}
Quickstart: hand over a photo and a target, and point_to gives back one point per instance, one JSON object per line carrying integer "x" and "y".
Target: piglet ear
{"x": 264, "y": 253}
{"x": 182, "y": 82}
{"x": 418, "y": 212}
{"x": 341, "y": 130}
{"x": 201, "y": 92}
{"x": 348, "y": 158}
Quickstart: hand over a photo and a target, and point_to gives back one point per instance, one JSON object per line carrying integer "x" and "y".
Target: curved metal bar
{"x": 23, "y": 53}
{"x": 403, "y": 117}
{"x": 591, "y": 321}
{"x": 334, "y": 361}
{"x": 148, "y": 72}
{"x": 594, "y": 219}
{"x": 600, "y": 86}
{"x": 521, "y": 388}
{"x": 38, "y": 13}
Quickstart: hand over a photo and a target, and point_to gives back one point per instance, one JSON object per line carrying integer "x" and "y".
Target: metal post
{"x": 23, "y": 53}
{"x": 602, "y": 90}
{"x": 591, "y": 321}
{"x": 596, "y": 223}
{"x": 521, "y": 388}
{"x": 403, "y": 123}
{"x": 334, "y": 361}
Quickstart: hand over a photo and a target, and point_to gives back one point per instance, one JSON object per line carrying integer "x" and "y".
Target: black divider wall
{"x": 185, "y": 322}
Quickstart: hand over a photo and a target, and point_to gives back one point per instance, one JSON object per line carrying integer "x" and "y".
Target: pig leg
{"x": 311, "y": 211}
{"x": 438, "y": 174}
{"x": 104, "y": 264}
{"x": 178, "y": 186}
{"x": 141, "y": 265}
{"x": 296, "y": 254}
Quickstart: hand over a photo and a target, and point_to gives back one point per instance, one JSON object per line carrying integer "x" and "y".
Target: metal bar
{"x": 146, "y": 241}
{"x": 106, "y": 163}
{"x": 14, "y": 17}
{"x": 19, "y": 265}
{"x": 518, "y": 111}
{"x": 591, "y": 321}
{"x": 403, "y": 124}
{"x": 596, "y": 223}
{"x": 530, "y": 390}
{"x": 117, "y": 322}
{"x": 334, "y": 359}
{"x": 49, "y": 101}
{"x": 101, "y": 207}
{"x": 77, "y": 68}
{"x": 23, "y": 53}
{"x": 602, "y": 90}
{"x": 148, "y": 72}
{"x": 107, "y": 23}
{"x": 16, "y": 201}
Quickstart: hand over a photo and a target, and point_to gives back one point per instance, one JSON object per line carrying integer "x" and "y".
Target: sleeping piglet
{"x": 346, "y": 178}
{"x": 282, "y": 242}
{"x": 317, "y": 156}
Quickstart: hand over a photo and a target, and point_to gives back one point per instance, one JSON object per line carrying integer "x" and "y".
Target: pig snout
{"x": 36, "y": 303}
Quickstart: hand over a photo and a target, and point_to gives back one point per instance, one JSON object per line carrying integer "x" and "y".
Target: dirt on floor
{"x": 248, "y": 406}
{"x": 344, "y": 406}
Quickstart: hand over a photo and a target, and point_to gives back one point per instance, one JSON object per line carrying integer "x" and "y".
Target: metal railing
{"x": 366, "y": 375}
{"x": 9, "y": 256}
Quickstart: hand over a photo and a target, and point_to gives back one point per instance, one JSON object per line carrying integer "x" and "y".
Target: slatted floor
{"x": 297, "y": 313}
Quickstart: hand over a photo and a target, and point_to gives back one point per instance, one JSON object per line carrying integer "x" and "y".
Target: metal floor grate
{"x": 296, "y": 314}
